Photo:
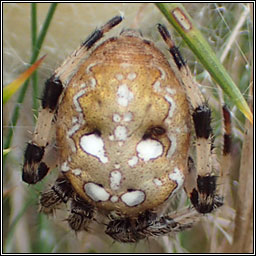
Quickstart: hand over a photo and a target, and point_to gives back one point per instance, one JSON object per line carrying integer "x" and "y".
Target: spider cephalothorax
{"x": 123, "y": 132}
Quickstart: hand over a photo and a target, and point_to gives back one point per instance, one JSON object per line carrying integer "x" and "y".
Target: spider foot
{"x": 99, "y": 33}
{"x": 148, "y": 224}
{"x": 124, "y": 230}
{"x": 204, "y": 198}
{"x": 60, "y": 192}
{"x": 34, "y": 169}
{"x": 81, "y": 215}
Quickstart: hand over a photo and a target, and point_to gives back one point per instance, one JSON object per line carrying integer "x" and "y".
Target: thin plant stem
{"x": 38, "y": 45}
{"x": 7, "y": 246}
{"x": 33, "y": 40}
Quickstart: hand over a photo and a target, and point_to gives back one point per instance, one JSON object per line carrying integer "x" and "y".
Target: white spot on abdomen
{"x": 124, "y": 95}
{"x": 93, "y": 144}
{"x": 125, "y": 65}
{"x": 158, "y": 182}
{"x": 65, "y": 167}
{"x": 173, "y": 146}
{"x": 117, "y": 166}
{"x": 171, "y": 91}
{"x": 133, "y": 161}
{"x": 133, "y": 198}
{"x": 76, "y": 102}
{"x": 128, "y": 117}
{"x": 96, "y": 192}
{"x": 116, "y": 118}
{"x": 131, "y": 76}
{"x": 172, "y": 105}
{"x": 111, "y": 137}
{"x": 73, "y": 129}
{"x": 178, "y": 177}
{"x": 149, "y": 149}
{"x": 77, "y": 171}
{"x": 83, "y": 85}
{"x": 162, "y": 72}
{"x": 157, "y": 86}
{"x": 89, "y": 67}
{"x": 74, "y": 120}
{"x": 120, "y": 133}
{"x": 119, "y": 77}
{"x": 92, "y": 82}
{"x": 115, "y": 179}
{"x": 71, "y": 144}
{"x": 114, "y": 199}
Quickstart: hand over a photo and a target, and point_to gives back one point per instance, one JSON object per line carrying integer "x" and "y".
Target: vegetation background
{"x": 228, "y": 29}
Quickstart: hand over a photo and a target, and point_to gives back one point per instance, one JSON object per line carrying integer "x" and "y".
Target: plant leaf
{"x": 6, "y": 151}
{"x": 182, "y": 22}
{"x": 11, "y": 88}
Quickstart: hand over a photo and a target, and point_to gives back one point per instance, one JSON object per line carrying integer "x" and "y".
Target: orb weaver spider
{"x": 124, "y": 121}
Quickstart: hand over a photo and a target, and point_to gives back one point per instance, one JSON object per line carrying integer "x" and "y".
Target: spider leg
{"x": 148, "y": 224}
{"x": 98, "y": 33}
{"x": 175, "y": 222}
{"x": 59, "y": 193}
{"x": 226, "y": 152}
{"x": 72, "y": 63}
{"x": 81, "y": 214}
{"x": 124, "y": 230}
{"x": 202, "y": 192}
{"x": 35, "y": 168}
{"x": 227, "y": 133}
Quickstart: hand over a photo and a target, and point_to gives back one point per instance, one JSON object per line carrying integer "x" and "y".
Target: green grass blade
{"x": 8, "y": 243}
{"x": 43, "y": 31}
{"x": 10, "y": 89}
{"x": 182, "y": 22}
{"x": 6, "y": 151}
{"x": 33, "y": 40}
{"x": 33, "y": 24}
{"x": 39, "y": 42}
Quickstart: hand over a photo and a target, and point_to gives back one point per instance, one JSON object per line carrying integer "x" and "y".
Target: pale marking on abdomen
{"x": 93, "y": 145}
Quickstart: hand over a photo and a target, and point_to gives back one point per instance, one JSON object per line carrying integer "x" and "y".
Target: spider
{"x": 125, "y": 120}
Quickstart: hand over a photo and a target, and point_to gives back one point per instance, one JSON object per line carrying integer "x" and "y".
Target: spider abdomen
{"x": 123, "y": 127}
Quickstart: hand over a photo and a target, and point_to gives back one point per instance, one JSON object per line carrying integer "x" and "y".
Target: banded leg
{"x": 149, "y": 224}
{"x": 72, "y": 63}
{"x": 35, "y": 167}
{"x": 59, "y": 193}
{"x": 226, "y": 152}
{"x": 203, "y": 193}
{"x": 81, "y": 214}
